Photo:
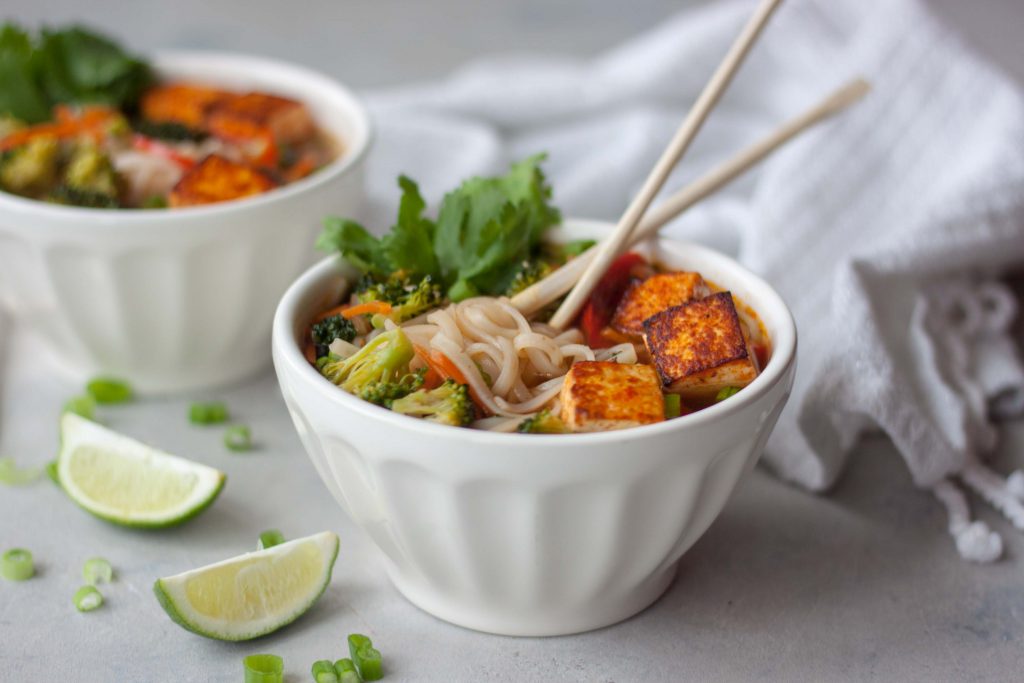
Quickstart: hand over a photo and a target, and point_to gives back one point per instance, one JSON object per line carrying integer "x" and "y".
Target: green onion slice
{"x": 51, "y": 472}
{"x": 263, "y": 669}
{"x": 97, "y": 570}
{"x": 82, "y": 406}
{"x": 346, "y": 671}
{"x": 673, "y": 406}
{"x": 726, "y": 393}
{"x": 323, "y": 672}
{"x": 109, "y": 390}
{"x": 12, "y": 475}
{"x": 87, "y": 598}
{"x": 270, "y": 538}
{"x": 238, "y": 438}
{"x": 214, "y": 412}
{"x": 16, "y": 565}
{"x": 366, "y": 659}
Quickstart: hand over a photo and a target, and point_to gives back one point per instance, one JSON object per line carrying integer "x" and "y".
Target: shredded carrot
{"x": 301, "y": 168}
{"x": 446, "y": 369}
{"x": 330, "y": 312}
{"x": 369, "y": 308}
{"x": 310, "y": 352}
{"x": 90, "y": 121}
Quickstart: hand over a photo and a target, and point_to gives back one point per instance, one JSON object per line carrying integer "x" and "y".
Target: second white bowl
{"x": 180, "y": 299}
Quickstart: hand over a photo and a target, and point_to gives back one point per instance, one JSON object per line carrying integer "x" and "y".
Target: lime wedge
{"x": 127, "y": 482}
{"x": 252, "y": 594}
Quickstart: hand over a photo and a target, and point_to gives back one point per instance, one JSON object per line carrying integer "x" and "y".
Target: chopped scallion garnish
{"x": 82, "y": 406}
{"x": 238, "y": 438}
{"x": 51, "y": 472}
{"x": 270, "y": 538}
{"x": 214, "y": 412}
{"x": 673, "y": 406}
{"x": 346, "y": 671}
{"x": 97, "y": 570}
{"x": 726, "y": 393}
{"x": 12, "y": 475}
{"x": 366, "y": 659}
{"x": 87, "y": 598}
{"x": 263, "y": 669}
{"x": 323, "y": 672}
{"x": 16, "y": 565}
{"x": 109, "y": 390}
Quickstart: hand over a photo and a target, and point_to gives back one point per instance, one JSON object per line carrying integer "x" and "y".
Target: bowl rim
{"x": 169, "y": 61}
{"x": 783, "y": 357}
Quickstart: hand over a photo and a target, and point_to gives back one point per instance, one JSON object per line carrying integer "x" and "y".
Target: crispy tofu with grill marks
{"x": 287, "y": 120}
{"x": 699, "y": 348}
{"x": 599, "y": 396}
{"x": 180, "y": 103}
{"x": 216, "y": 179}
{"x": 645, "y": 298}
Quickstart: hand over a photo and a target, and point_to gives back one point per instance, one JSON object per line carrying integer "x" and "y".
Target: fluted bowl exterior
{"x": 180, "y": 299}
{"x": 531, "y": 534}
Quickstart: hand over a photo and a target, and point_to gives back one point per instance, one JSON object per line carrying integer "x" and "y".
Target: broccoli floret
{"x": 530, "y": 272}
{"x": 408, "y": 297}
{"x": 543, "y": 423}
{"x": 385, "y": 358}
{"x": 65, "y": 194}
{"x": 386, "y": 393}
{"x": 31, "y": 169}
{"x": 90, "y": 170}
{"x": 329, "y": 329}
{"x": 169, "y": 130}
{"x": 448, "y": 404}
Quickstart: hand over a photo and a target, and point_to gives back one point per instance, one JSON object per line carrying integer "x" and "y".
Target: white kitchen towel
{"x": 868, "y": 226}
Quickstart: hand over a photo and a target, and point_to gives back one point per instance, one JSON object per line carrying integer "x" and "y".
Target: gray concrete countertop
{"x": 863, "y": 584}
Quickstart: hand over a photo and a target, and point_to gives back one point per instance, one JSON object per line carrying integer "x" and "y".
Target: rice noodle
{"x": 513, "y": 366}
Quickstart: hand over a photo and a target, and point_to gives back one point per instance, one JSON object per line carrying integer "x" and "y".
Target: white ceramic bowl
{"x": 533, "y": 535}
{"x": 180, "y": 299}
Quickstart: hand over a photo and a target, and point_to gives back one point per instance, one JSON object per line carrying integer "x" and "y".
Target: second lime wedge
{"x": 127, "y": 482}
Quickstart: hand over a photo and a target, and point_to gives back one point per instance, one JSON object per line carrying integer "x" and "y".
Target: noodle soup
{"x": 132, "y": 142}
{"x": 424, "y": 340}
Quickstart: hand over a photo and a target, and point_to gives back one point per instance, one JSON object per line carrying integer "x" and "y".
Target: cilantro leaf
{"x": 409, "y": 245}
{"x": 352, "y": 241}
{"x": 485, "y": 230}
{"x": 72, "y": 66}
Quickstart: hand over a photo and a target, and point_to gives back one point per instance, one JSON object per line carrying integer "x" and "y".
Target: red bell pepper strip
{"x": 600, "y": 307}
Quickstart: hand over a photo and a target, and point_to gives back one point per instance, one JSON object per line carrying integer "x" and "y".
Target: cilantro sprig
{"x": 66, "y": 66}
{"x": 485, "y": 229}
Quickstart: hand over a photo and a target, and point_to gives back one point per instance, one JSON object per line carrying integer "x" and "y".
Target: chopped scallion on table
{"x": 365, "y": 657}
{"x": 214, "y": 412}
{"x": 12, "y": 475}
{"x": 270, "y": 538}
{"x": 16, "y": 565}
{"x": 726, "y": 393}
{"x": 346, "y": 671}
{"x": 87, "y": 598}
{"x": 673, "y": 406}
{"x": 108, "y": 390}
{"x": 97, "y": 570}
{"x": 82, "y": 406}
{"x": 263, "y": 669}
{"x": 323, "y": 672}
{"x": 238, "y": 438}
{"x": 51, "y": 472}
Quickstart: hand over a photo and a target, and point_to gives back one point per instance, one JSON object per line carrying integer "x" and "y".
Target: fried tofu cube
{"x": 644, "y": 298}
{"x": 600, "y": 396}
{"x": 699, "y": 347}
{"x": 180, "y": 103}
{"x": 216, "y": 179}
{"x": 287, "y": 120}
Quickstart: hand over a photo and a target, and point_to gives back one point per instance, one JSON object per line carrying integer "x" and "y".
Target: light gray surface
{"x": 786, "y": 586}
